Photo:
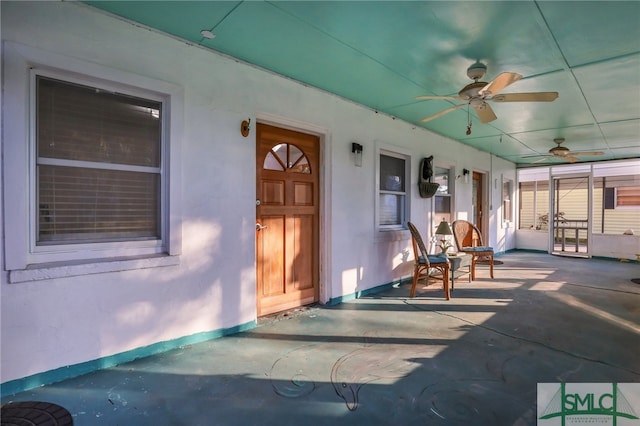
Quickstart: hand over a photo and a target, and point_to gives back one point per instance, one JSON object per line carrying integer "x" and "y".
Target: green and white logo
{"x": 562, "y": 404}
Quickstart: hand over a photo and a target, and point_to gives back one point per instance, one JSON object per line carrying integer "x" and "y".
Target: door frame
{"x": 324, "y": 220}
{"x": 553, "y": 177}
{"x": 484, "y": 191}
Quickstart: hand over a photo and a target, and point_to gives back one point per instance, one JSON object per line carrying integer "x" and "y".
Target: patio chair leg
{"x": 473, "y": 268}
{"x": 445, "y": 277}
{"x": 491, "y": 267}
{"x": 414, "y": 284}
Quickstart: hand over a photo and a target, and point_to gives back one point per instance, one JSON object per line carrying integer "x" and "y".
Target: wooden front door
{"x": 287, "y": 173}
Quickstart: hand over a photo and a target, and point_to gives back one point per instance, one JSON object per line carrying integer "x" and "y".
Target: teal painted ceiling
{"x": 382, "y": 54}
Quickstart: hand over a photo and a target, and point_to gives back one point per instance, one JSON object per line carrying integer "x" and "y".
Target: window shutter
{"x": 609, "y": 198}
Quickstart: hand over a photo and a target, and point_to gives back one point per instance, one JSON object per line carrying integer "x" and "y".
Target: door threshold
{"x": 579, "y": 255}
{"x": 287, "y": 314}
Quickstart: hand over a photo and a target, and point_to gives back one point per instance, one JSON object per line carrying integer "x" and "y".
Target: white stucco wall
{"x": 51, "y": 323}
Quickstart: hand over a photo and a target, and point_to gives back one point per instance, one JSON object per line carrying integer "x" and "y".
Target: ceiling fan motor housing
{"x": 476, "y": 71}
{"x": 471, "y": 90}
{"x": 559, "y": 150}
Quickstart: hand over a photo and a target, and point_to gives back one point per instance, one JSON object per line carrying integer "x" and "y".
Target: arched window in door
{"x": 286, "y": 157}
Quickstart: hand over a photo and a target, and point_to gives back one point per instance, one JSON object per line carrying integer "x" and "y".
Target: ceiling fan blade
{"x": 485, "y": 112}
{"x": 526, "y": 97}
{"x": 499, "y": 83}
{"x": 537, "y": 155}
{"x": 570, "y": 158}
{"x": 544, "y": 158}
{"x": 441, "y": 113}
{"x": 584, "y": 153}
{"x": 427, "y": 97}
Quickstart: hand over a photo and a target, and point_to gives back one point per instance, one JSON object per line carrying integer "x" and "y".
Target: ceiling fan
{"x": 563, "y": 153}
{"x": 478, "y": 93}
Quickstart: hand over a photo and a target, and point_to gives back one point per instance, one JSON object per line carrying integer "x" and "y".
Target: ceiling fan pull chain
{"x": 468, "y": 121}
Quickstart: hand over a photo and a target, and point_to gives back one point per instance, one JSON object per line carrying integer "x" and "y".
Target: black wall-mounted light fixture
{"x": 356, "y": 149}
{"x": 464, "y": 175}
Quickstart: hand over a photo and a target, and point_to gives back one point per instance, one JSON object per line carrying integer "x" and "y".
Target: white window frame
{"x": 509, "y": 183}
{"x": 23, "y": 259}
{"x": 56, "y": 247}
{"x": 451, "y": 188}
{"x": 393, "y": 232}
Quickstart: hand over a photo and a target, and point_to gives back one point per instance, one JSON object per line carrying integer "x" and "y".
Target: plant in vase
{"x": 444, "y": 245}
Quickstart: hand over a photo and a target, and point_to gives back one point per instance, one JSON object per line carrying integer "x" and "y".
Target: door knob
{"x": 260, "y": 227}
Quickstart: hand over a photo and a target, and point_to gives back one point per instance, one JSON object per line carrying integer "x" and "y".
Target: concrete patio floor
{"x": 388, "y": 359}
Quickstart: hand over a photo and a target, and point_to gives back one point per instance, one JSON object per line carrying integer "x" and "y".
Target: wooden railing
{"x": 561, "y": 226}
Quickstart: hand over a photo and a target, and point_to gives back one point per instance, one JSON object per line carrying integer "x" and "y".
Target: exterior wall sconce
{"x": 245, "y": 127}
{"x": 464, "y": 175}
{"x": 356, "y": 149}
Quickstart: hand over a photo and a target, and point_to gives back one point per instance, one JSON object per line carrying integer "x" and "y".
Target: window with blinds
{"x": 392, "y": 195}
{"x": 98, "y": 164}
{"x": 442, "y": 198}
{"x": 628, "y": 196}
